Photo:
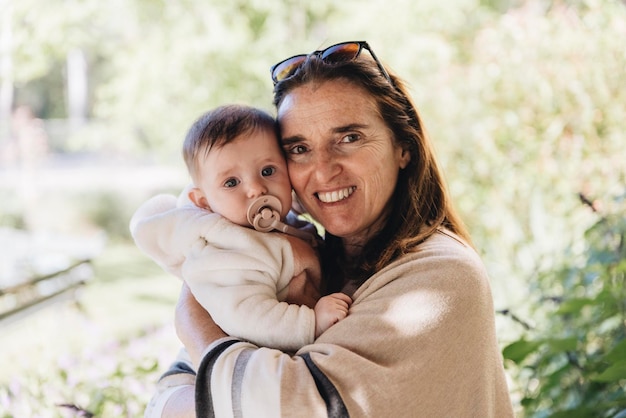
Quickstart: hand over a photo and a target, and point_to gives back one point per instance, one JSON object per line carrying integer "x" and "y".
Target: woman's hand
{"x": 194, "y": 326}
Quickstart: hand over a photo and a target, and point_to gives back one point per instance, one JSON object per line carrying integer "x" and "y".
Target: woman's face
{"x": 341, "y": 157}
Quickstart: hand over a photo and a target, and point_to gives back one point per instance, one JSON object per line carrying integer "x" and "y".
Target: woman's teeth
{"x": 331, "y": 197}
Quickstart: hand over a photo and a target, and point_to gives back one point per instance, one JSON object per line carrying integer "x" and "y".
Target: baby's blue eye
{"x": 268, "y": 171}
{"x": 231, "y": 183}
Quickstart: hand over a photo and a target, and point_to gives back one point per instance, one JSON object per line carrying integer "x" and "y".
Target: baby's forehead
{"x": 251, "y": 135}
{"x": 256, "y": 146}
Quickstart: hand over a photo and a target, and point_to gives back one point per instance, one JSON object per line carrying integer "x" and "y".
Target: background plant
{"x": 572, "y": 363}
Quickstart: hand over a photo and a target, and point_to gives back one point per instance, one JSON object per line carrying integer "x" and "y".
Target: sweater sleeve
{"x": 237, "y": 276}
{"x": 166, "y": 232}
{"x": 179, "y": 375}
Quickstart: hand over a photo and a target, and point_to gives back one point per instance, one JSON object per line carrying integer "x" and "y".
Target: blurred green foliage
{"x": 572, "y": 363}
{"x": 525, "y": 102}
{"x": 109, "y": 212}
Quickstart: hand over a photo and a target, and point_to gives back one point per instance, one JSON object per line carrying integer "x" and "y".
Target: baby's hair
{"x": 220, "y": 126}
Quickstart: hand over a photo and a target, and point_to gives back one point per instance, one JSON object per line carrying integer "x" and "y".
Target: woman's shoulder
{"x": 445, "y": 237}
{"x": 443, "y": 260}
{"x": 443, "y": 246}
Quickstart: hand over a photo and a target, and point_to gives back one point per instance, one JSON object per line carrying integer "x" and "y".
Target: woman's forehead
{"x": 336, "y": 102}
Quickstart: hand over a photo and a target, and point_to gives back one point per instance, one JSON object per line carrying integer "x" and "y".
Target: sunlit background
{"x": 525, "y": 101}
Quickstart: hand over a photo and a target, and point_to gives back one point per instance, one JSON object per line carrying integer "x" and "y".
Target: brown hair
{"x": 420, "y": 202}
{"x": 220, "y": 126}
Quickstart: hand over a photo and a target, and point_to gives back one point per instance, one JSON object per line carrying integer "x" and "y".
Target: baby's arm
{"x": 242, "y": 278}
{"x": 166, "y": 232}
{"x": 329, "y": 310}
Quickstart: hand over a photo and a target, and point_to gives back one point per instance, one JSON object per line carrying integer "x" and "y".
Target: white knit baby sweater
{"x": 239, "y": 275}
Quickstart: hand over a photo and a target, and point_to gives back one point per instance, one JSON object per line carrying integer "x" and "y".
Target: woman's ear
{"x": 405, "y": 158}
{"x": 198, "y": 198}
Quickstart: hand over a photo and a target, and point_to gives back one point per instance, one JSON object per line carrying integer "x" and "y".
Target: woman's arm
{"x": 180, "y": 404}
{"x": 194, "y": 326}
{"x": 197, "y": 331}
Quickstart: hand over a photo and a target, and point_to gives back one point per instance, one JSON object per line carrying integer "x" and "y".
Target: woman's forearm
{"x": 180, "y": 404}
{"x": 197, "y": 331}
{"x": 194, "y": 326}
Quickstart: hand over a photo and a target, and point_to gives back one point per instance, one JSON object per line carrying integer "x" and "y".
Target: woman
{"x": 419, "y": 339}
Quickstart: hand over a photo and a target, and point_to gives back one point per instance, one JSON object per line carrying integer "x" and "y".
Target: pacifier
{"x": 264, "y": 213}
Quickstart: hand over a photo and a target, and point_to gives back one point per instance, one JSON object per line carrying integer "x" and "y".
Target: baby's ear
{"x": 183, "y": 197}
{"x": 198, "y": 198}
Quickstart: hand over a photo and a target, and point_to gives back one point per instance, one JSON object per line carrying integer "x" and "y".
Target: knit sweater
{"x": 419, "y": 341}
{"x": 239, "y": 275}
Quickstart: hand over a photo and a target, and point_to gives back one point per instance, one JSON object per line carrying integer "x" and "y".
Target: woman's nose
{"x": 326, "y": 166}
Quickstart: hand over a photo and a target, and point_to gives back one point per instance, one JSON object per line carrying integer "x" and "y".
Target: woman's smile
{"x": 335, "y": 196}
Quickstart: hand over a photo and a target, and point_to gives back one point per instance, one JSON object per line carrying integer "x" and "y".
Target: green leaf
{"x": 563, "y": 344}
{"x": 574, "y": 305}
{"x": 617, "y": 354}
{"x": 520, "y": 349}
{"x": 614, "y": 373}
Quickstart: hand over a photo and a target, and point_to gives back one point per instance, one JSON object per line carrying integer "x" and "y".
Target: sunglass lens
{"x": 341, "y": 53}
{"x": 286, "y": 68}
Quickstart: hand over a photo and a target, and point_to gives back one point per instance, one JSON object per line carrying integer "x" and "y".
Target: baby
{"x": 263, "y": 287}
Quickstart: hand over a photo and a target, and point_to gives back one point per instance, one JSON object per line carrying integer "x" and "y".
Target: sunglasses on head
{"x": 335, "y": 54}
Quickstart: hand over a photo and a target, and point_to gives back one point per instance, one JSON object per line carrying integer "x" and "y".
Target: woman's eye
{"x": 231, "y": 183}
{"x": 297, "y": 149}
{"x": 268, "y": 171}
{"x": 350, "y": 138}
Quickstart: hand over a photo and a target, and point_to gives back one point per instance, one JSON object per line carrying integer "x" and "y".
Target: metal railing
{"x": 22, "y": 299}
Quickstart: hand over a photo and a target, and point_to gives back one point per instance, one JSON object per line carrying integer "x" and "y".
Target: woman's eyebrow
{"x": 350, "y": 127}
{"x": 291, "y": 140}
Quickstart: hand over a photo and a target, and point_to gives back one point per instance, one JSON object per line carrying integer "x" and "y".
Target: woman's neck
{"x": 352, "y": 250}
{"x": 354, "y": 245}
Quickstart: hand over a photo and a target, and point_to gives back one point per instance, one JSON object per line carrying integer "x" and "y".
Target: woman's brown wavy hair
{"x": 420, "y": 203}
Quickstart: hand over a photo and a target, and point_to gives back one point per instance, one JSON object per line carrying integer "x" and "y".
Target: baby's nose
{"x": 257, "y": 189}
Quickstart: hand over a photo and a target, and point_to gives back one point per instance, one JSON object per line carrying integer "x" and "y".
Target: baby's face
{"x": 252, "y": 165}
